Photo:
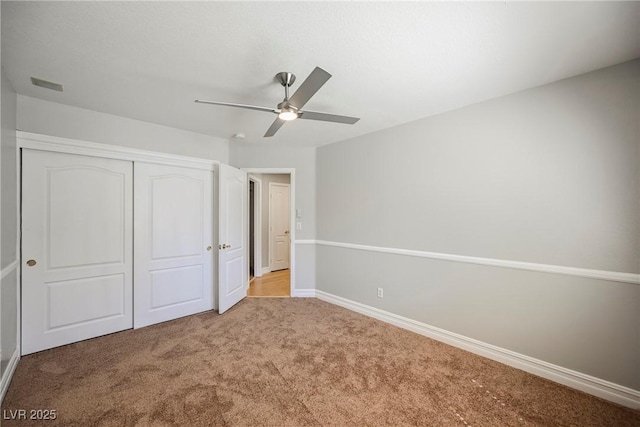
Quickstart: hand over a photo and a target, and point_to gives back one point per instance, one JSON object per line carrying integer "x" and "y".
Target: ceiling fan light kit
{"x": 291, "y": 108}
{"x": 287, "y": 114}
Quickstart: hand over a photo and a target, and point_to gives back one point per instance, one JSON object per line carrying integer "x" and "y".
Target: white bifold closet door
{"x": 76, "y": 248}
{"x": 173, "y": 242}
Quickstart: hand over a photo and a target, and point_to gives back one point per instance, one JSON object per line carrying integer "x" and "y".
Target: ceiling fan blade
{"x": 231, "y": 104}
{"x": 309, "y": 87}
{"x": 277, "y": 124}
{"x": 326, "y": 117}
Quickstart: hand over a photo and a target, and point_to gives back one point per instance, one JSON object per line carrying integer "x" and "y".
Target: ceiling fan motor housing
{"x": 286, "y": 105}
{"x": 286, "y": 79}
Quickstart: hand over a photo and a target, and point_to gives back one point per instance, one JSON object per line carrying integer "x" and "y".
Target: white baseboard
{"x": 266, "y": 270}
{"x": 303, "y": 293}
{"x": 583, "y": 382}
{"x": 8, "y": 374}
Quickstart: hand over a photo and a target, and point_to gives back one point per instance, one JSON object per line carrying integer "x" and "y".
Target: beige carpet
{"x": 289, "y": 362}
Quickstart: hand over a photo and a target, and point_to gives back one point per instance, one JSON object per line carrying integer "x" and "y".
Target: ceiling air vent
{"x": 45, "y": 84}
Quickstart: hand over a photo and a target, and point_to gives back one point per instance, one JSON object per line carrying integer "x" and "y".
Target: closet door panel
{"x": 77, "y": 265}
{"x": 173, "y": 239}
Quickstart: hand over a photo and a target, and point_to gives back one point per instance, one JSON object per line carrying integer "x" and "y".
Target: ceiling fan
{"x": 291, "y": 108}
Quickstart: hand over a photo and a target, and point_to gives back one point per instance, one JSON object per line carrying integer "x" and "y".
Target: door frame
{"x": 292, "y": 217}
{"x": 257, "y": 224}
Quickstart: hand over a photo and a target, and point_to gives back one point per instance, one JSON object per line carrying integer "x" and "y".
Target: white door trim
{"x": 36, "y": 141}
{"x": 292, "y": 215}
{"x": 257, "y": 226}
{"x": 19, "y": 251}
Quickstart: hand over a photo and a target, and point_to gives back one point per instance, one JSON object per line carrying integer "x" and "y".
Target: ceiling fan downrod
{"x": 286, "y": 79}
{"x": 287, "y": 111}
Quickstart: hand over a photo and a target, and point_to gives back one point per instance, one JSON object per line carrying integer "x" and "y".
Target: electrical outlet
{"x": 380, "y": 293}
{"x": 298, "y": 226}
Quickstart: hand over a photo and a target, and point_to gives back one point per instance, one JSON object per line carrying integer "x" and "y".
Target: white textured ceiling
{"x": 391, "y": 62}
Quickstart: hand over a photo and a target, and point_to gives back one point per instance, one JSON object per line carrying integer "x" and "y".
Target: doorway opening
{"x": 271, "y": 233}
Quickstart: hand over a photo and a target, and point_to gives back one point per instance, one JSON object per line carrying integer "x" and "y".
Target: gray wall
{"x": 8, "y": 231}
{"x": 550, "y": 175}
{"x": 50, "y": 118}
{"x": 9, "y": 175}
{"x": 303, "y": 160}
{"x": 264, "y": 221}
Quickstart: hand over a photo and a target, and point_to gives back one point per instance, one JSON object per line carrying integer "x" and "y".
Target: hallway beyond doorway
{"x": 276, "y": 284}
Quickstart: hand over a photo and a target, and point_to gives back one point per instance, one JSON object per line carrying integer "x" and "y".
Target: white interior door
{"x": 279, "y": 223}
{"x": 76, "y": 248}
{"x": 232, "y": 234}
{"x": 173, "y": 241}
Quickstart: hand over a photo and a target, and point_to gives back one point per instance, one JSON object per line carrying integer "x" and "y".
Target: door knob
{"x": 31, "y": 262}
{"x": 286, "y": 232}
{"x": 209, "y": 248}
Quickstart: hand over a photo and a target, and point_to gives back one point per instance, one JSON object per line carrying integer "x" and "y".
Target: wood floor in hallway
{"x": 275, "y": 284}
